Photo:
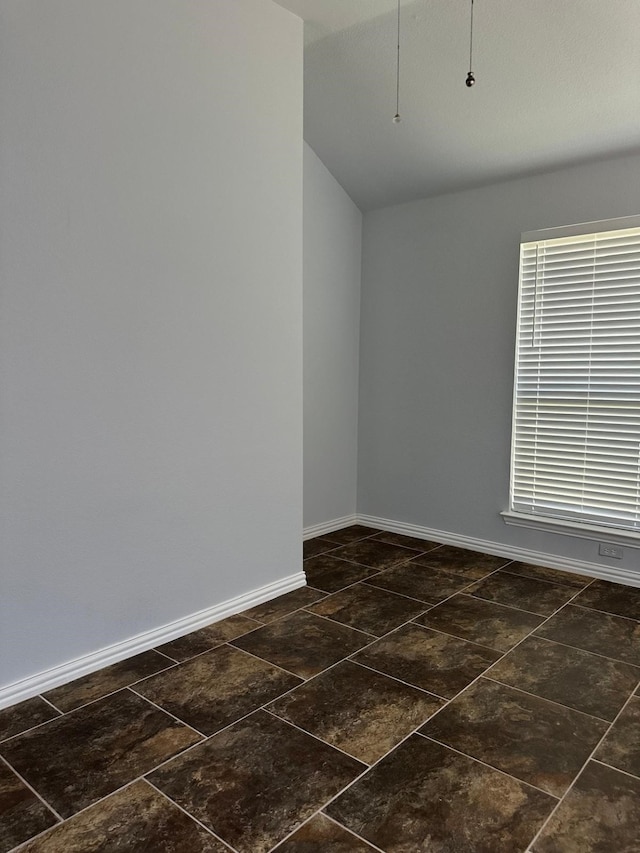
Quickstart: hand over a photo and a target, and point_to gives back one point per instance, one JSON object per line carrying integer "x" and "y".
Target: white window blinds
{"x": 576, "y": 433}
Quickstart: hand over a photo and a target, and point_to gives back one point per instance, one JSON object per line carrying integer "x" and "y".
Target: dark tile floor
{"x": 413, "y": 697}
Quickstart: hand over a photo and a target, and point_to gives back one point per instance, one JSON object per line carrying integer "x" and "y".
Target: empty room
{"x": 319, "y": 426}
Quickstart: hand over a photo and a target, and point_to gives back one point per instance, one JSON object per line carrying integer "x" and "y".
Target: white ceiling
{"x": 558, "y": 82}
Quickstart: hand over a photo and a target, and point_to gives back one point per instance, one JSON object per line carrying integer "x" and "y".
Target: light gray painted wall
{"x": 440, "y": 281}
{"x": 151, "y": 318}
{"x": 332, "y": 272}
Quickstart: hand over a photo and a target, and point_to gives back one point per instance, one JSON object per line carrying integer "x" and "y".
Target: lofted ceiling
{"x": 558, "y": 82}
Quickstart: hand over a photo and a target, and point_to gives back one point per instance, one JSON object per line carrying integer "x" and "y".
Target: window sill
{"x": 572, "y": 528}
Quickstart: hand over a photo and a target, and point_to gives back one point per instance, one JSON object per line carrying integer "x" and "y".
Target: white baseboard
{"x": 525, "y": 555}
{"x": 329, "y": 526}
{"x": 62, "y": 674}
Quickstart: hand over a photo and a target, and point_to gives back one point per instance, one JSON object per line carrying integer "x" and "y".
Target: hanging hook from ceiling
{"x": 396, "y": 118}
{"x": 471, "y": 79}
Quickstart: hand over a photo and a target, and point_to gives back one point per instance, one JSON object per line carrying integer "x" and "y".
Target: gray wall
{"x": 440, "y": 281}
{"x": 151, "y": 317}
{"x": 332, "y": 268}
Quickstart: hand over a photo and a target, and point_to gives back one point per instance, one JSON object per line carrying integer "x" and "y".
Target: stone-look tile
{"x": 528, "y": 594}
{"x": 424, "y": 583}
{"x": 208, "y": 637}
{"x": 425, "y": 797}
{"x": 462, "y": 561}
{"x": 107, "y": 680}
{"x": 369, "y": 609}
{"x": 253, "y": 783}
{"x": 359, "y": 711}
{"x": 303, "y": 643}
{"x": 217, "y": 688}
{"x": 572, "y": 677}
{"x": 435, "y": 662}
{"x": 621, "y": 747}
{"x": 375, "y": 554}
{"x": 613, "y": 598}
{"x": 601, "y": 633}
{"x": 601, "y": 814}
{"x": 319, "y": 545}
{"x": 22, "y": 814}
{"x": 25, "y": 715}
{"x": 137, "y": 818}
{"x": 284, "y": 604}
{"x": 544, "y": 573}
{"x": 532, "y": 739}
{"x": 321, "y": 835}
{"x": 352, "y": 534}
{"x": 407, "y": 541}
{"x": 481, "y": 621}
{"x": 81, "y": 757}
{"x": 330, "y": 574}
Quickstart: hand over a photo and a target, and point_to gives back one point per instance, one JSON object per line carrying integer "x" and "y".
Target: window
{"x": 576, "y": 422}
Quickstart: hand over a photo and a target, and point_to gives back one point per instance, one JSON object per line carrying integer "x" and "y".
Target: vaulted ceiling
{"x": 558, "y": 82}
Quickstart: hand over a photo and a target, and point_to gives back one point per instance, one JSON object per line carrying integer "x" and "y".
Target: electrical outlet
{"x": 610, "y": 551}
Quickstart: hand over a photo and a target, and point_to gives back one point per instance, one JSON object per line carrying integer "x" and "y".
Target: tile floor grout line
{"x": 31, "y": 729}
{"x": 189, "y": 815}
{"x": 607, "y": 612}
{"x": 206, "y": 740}
{"x": 326, "y": 817}
{"x": 201, "y": 654}
{"x": 342, "y": 624}
{"x": 455, "y": 637}
{"x": 617, "y": 769}
{"x": 49, "y": 702}
{"x": 105, "y": 695}
{"x": 350, "y": 627}
{"x": 587, "y": 651}
{"x": 351, "y": 562}
{"x": 519, "y": 609}
{"x": 486, "y": 764}
{"x": 352, "y": 832}
{"x": 156, "y": 649}
{"x": 315, "y": 737}
{"x": 402, "y": 563}
{"x": 31, "y": 788}
{"x": 473, "y": 582}
{"x": 290, "y": 612}
{"x": 375, "y": 573}
{"x": 582, "y": 769}
{"x": 488, "y": 677}
{"x": 505, "y": 569}
{"x": 458, "y": 637}
{"x": 460, "y": 591}
{"x": 55, "y": 708}
{"x": 379, "y": 588}
{"x": 264, "y": 660}
{"x": 418, "y": 553}
{"x": 315, "y": 588}
{"x": 169, "y": 714}
{"x": 304, "y": 683}
{"x": 342, "y": 589}
{"x": 401, "y": 681}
